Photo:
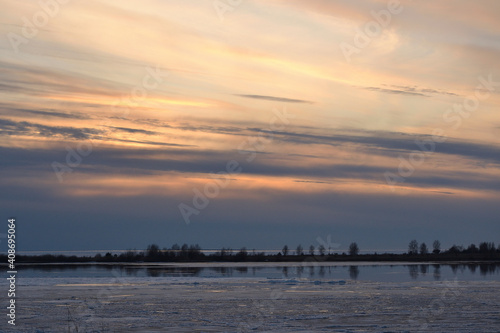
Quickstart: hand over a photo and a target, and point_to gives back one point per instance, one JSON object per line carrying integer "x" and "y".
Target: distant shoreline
{"x": 142, "y": 259}
{"x": 213, "y": 264}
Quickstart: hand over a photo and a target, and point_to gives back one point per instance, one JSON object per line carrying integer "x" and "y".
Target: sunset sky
{"x": 367, "y": 121}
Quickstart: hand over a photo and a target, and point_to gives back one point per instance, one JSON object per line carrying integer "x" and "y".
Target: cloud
{"x": 276, "y": 99}
{"x": 396, "y": 91}
{"x": 133, "y": 130}
{"x": 155, "y": 143}
{"x": 443, "y": 192}
{"x": 384, "y": 143}
{"x": 409, "y": 90}
{"x": 311, "y": 181}
{"x": 27, "y": 128}
{"x": 193, "y": 127}
{"x": 51, "y": 113}
{"x": 40, "y": 81}
{"x": 457, "y": 180}
{"x": 136, "y": 161}
{"x": 435, "y": 91}
{"x": 392, "y": 143}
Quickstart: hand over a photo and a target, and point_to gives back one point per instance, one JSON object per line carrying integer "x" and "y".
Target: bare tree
{"x": 311, "y": 250}
{"x": 455, "y": 249}
{"x": 413, "y": 247}
{"x": 153, "y": 251}
{"x": 321, "y": 250}
{"x": 436, "y": 247}
{"x": 242, "y": 255}
{"x": 423, "y": 249}
{"x": 486, "y": 247}
{"x": 299, "y": 251}
{"x": 285, "y": 250}
{"x": 472, "y": 248}
{"x": 353, "y": 249}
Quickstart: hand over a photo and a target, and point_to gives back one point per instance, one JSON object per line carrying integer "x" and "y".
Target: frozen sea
{"x": 258, "y": 297}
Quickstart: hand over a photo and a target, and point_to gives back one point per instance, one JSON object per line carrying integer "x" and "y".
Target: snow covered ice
{"x": 255, "y": 304}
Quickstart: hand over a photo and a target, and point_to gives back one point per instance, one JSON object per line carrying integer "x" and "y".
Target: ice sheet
{"x": 256, "y": 305}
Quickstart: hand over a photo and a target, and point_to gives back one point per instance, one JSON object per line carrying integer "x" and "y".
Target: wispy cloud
{"x": 133, "y": 161}
{"x": 276, "y": 99}
{"x": 55, "y": 114}
{"x": 153, "y": 143}
{"x": 9, "y": 127}
{"x": 392, "y": 143}
{"x": 311, "y": 182}
{"x": 412, "y": 91}
{"x": 397, "y": 91}
{"x": 133, "y": 130}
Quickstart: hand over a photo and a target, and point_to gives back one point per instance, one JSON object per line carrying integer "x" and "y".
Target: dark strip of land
{"x": 243, "y": 256}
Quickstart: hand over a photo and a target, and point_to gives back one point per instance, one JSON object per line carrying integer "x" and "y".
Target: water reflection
{"x": 321, "y": 271}
{"x": 300, "y": 270}
{"x": 486, "y": 269}
{"x": 130, "y": 271}
{"x": 353, "y": 272}
{"x": 413, "y": 270}
{"x": 285, "y": 271}
{"x": 390, "y": 272}
{"x": 437, "y": 272}
{"x": 242, "y": 270}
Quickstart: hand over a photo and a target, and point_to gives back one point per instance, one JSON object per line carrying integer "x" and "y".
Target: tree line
{"x": 484, "y": 248}
{"x": 193, "y": 253}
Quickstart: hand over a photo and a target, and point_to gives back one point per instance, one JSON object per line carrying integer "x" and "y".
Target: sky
{"x": 251, "y": 123}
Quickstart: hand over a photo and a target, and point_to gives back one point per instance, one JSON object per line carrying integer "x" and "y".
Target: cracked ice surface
{"x": 128, "y": 304}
